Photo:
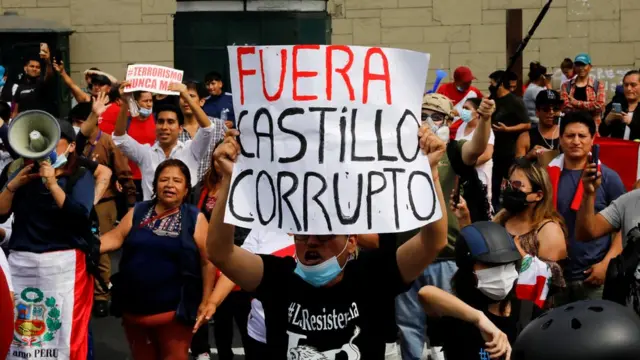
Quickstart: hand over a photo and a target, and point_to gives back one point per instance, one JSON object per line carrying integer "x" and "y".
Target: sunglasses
{"x": 303, "y": 239}
{"x": 434, "y": 117}
{"x": 515, "y": 184}
{"x": 549, "y": 108}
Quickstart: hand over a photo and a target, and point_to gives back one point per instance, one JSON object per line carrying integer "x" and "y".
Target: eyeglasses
{"x": 303, "y": 239}
{"x": 434, "y": 116}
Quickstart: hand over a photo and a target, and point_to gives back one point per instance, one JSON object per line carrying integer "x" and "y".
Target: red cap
{"x": 463, "y": 74}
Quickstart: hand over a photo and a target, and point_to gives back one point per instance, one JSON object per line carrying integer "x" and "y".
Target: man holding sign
{"x": 169, "y": 122}
{"x": 328, "y": 304}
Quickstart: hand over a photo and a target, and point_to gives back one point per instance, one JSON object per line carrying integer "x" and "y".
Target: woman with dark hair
{"x": 529, "y": 216}
{"x": 165, "y": 278}
{"x": 238, "y": 304}
{"x": 475, "y": 321}
{"x": 539, "y": 80}
{"x": 51, "y": 202}
{"x": 567, "y": 68}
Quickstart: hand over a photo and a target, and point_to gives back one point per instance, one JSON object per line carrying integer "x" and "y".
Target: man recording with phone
{"x": 586, "y": 269}
{"x": 622, "y": 215}
{"x": 621, "y": 120}
{"x": 36, "y": 92}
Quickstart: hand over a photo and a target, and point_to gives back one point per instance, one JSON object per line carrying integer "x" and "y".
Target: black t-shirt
{"x": 510, "y": 111}
{"x": 36, "y": 95}
{"x": 580, "y": 93}
{"x": 463, "y": 340}
{"x": 343, "y": 321}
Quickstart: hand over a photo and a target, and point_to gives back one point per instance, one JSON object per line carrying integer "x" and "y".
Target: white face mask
{"x": 76, "y": 129}
{"x": 496, "y": 282}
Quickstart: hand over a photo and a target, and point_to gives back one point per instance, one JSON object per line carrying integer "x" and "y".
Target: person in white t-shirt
{"x": 257, "y": 242}
{"x": 470, "y": 119}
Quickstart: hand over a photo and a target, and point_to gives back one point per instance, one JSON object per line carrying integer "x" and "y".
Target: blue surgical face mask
{"x": 144, "y": 112}
{"x": 460, "y": 88}
{"x": 320, "y": 274}
{"x": 466, "y": 115}
{"x": 61, "y": 160}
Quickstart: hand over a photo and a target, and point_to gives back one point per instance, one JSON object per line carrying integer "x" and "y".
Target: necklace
{"x": 550, "y": 146}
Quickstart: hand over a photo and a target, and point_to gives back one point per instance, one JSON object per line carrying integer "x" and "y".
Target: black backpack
{"x": 620, "y": 273}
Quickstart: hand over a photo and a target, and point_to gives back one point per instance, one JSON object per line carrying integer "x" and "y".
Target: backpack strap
{"x": 128, "y": 122}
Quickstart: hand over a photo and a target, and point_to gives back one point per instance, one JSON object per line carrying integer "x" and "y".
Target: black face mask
{"x": 514, "y": 201}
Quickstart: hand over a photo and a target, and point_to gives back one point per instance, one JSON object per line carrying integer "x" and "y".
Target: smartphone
{"x": 595, "y": 154}
{"x": 616, "y": 108}
{"x": 456, "y": 191}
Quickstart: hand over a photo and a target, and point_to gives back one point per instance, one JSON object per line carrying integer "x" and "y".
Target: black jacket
{"x": 616, "y": 128}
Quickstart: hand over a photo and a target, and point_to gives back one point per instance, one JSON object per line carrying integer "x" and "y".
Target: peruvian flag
{"x": 533, "y": 281}
{"x": 53, "y": 299}
{"x": 622, "y": 156}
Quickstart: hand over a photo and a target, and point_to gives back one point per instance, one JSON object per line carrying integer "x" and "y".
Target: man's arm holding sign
{"x": 472, "y": 150}
{"x": 241, "y": 266}
{"x": 414, "y": 255}
{"x": 247, "y": 269}
{"x": 128, "y": 145}
{"x": 202, "y": 139}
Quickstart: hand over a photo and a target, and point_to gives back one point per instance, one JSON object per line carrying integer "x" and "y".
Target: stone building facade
{"x": 473, "y": 32}
{"x": 111, "y": 33}
{"x": 108, "y": 34}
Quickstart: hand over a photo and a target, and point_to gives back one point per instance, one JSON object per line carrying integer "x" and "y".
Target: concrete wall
{"x": 473, "y": 32}
{"x": 111, "y": 33}
{"x": 108, "y": 33}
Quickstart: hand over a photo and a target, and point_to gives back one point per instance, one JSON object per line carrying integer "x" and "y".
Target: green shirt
{"x": 447, "y": 181}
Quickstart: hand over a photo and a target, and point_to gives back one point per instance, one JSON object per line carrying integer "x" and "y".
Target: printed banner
{"x": 53, "y": 294}
{"x": 152, "y": 78}
{"x": 329, "y": 140}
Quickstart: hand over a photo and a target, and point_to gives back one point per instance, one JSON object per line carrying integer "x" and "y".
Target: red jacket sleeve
{"x": 6, "y": 315}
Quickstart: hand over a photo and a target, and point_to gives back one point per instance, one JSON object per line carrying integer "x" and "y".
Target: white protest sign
{"x": 153, "y": 78}
{"x": 329, "y": 140}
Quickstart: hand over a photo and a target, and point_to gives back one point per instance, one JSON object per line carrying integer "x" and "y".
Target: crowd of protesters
{"x": 522, "y": 193}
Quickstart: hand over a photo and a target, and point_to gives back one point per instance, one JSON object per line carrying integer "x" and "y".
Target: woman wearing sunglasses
{"x": 529, "y": 216}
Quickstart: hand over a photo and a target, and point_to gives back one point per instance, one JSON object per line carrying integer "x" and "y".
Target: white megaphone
{"x": 34, "y": 134}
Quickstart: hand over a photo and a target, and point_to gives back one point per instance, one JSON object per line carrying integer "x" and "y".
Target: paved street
{"x": 110, "y": 343}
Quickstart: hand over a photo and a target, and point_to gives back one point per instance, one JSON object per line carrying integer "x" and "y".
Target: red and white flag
{"x": 622, "y": 156}
{"x": 533, "y": 281}
{"x": 54, "y": 295}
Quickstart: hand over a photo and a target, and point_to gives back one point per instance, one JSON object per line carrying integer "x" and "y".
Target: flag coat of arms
{"x": 53, "y": 300}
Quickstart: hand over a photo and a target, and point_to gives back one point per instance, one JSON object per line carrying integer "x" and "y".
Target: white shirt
{"x": 4, "y": 265}
{"x": 264, "y": 242}
{"x": 149, "y": 157}
{"x": 484, "y": 170}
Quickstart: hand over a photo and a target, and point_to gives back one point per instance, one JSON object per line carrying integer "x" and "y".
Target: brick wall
{"x": 472, "y": 32}
{"x": 108, "y": 33}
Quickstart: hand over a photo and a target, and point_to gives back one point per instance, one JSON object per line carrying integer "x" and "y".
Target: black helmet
{"x": 584, "y": 330}
{"x": 487, "y": 242}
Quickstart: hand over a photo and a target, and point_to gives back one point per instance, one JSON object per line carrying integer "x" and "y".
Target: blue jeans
{"x": 410, "y": 316}
{"x": 90, "y": 352}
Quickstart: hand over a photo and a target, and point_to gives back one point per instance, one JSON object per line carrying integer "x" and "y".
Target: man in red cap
{"x": 461, "y": 87}
{"x": 458, "y": 92}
